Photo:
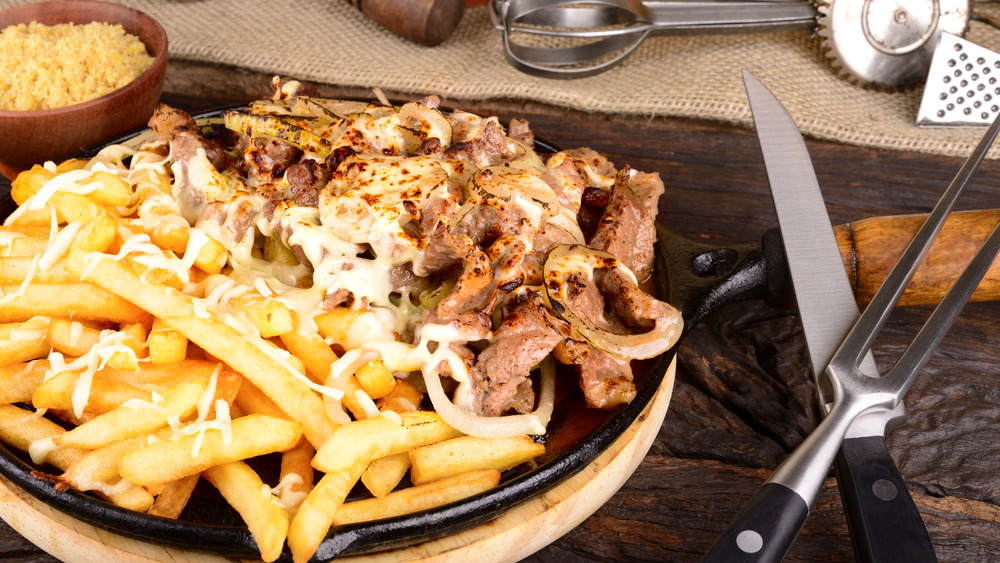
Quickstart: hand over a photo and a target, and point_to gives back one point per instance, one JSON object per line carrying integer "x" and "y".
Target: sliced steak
{"x": 626, "y": 228}
{"x": 499, "y": 379}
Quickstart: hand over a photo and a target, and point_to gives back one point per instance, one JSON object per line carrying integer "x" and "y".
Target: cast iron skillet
{"x": 696, "y": 278}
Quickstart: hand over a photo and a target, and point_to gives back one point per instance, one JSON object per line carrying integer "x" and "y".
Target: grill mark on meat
{"x": 180, "y": 130}
{"x": 626, "y": 228}
{"x": 567, "y": 183}
{"x": 267, "y": 159}
{"x": 305, "y": 180}
{"x": 476, "y": 286}
{"x": 495, "y": 237}
{"x": 487, "y": 149}
{"x": 520, "y": 131}
{"x": 606, "y": 381}
{"x": 499, "y": 379}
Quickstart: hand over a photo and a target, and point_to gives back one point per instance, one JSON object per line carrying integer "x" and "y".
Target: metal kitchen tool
{"x": 884, "y": 527}
{"x": 963, "y": 85}
{"x": 886, "y": 43}
{"x": 767, "y": 526}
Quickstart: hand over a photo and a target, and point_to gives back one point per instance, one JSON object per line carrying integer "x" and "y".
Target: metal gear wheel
{"x": 887, "y": 43}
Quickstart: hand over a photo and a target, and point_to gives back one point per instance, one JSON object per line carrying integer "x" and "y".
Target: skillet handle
{"x": 884, "y": 522}
{"x": 764, "y": 530}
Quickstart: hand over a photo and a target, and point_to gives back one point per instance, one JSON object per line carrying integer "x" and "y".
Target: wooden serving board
{"x": 513, "y": 536}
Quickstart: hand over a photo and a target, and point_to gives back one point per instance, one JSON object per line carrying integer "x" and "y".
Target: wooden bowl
{"x": 33, "y": 137}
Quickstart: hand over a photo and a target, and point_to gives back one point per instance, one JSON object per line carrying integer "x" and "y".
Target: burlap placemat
{"x": 686, "y": 76}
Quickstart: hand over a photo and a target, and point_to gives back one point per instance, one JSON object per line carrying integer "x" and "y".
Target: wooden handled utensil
{"x": 427, "y": 22}
{"x": 706, "y": 277}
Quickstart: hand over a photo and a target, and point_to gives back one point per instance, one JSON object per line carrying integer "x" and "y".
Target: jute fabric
{"x": 683, "y": 76}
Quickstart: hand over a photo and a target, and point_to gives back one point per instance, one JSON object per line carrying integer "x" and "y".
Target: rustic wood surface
{"x": 742, "y": 398}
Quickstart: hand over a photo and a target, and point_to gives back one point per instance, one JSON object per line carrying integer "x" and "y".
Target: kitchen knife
{"x": 883, "y": 520}
{"x": 767, "y": 526}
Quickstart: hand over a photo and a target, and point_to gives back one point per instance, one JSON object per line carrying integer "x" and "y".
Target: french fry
{"x": 292, "y": 395}
{"x": 10, "y": 231}
{"x": 77, "y": 300}
{"x": 71, "y": 337}
{"x": 101, "y": 464}
{"x": 18, "y": 381}
{"x": 336, "y": 323}
{"x": 104, "y": 188}
{"x": 266, "y": 519}
{"x": 128, "y": 420}
{"x": 153, "y": 275}
{"x": 71, "y": 164}
{"x": 173, "y": 497}
{"x": 417, "y": 498}
{"x": 165, "y": 344}
{"x": 107, "y": 189}
{"x": 363, "y": 441}
{"x": 21, "y": 428}
{"x": 468, "y": 453}
{"x": 97, "y": 471}
{"x": 128, "y": 496}
{"x": 69, "y": 208}
{"x": 270, "y": 316}
{"x": 376, "y": 379}
{"x": 385, "y": 473}
{"x": 313, "y": 519}
{"x": 253, "y": 401}
{"x": 296, "y": 478}
{"x": 351, "y": 401}
{"x": 133, "y": 339}
{"x": 105, "y": 393}
{"x": 29, "y": 182}
{"x": 120, "y": 280}
{"x": 173, "y": 233}
{"x": 23, "y": 341}
{"x": 26, "y": 246}
{"x": 15, "y": 268}
{"x": 157, "y": 377}
{"x": 314, "y": 351}
{"x": 96, "y": 235}
{"x": 169, "y": 460}
{"x": 403, "y": 397}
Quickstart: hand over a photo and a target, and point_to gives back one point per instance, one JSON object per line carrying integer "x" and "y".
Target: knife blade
{"x": 769, "y": 523}
{"x": 883, "y": 520}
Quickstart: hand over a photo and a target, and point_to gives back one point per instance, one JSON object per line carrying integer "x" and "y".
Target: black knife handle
{"x": 764, "y": 530}
{"x": 883, "y": 520}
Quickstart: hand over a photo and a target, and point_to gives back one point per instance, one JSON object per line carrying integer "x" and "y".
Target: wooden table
{"x": 715, "y": 446}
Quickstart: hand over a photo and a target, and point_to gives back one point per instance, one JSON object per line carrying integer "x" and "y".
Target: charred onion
{"x": 571, "y": 269}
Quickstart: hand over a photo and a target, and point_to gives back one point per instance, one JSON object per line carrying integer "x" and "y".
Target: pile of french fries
{"x": 104, "y": 328}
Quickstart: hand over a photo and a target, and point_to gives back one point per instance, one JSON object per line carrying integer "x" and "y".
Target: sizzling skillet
{"x": 213, "y": 527}
{"x": 697, "y": 279}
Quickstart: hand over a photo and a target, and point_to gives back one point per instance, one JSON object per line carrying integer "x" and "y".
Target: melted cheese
{"x": 40, "y": 449}
{"x": 289, "y": 491}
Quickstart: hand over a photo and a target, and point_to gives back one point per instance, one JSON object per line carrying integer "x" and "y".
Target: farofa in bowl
{"x": 51, "y": 66}
{"x": 39, "y": 135}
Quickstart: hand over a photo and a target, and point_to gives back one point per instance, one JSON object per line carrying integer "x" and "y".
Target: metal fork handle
{"x": 617, "y": 27}
{"x": 566, "y": 18}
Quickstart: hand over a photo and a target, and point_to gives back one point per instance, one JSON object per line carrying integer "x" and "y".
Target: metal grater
{"x": 963, "y": 85}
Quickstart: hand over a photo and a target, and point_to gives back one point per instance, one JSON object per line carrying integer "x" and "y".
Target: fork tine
{"x": 859, "y": 340}
{"x": 919, "y": 351}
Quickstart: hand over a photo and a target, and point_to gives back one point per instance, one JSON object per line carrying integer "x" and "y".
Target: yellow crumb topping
{"x": 43, "y": 67}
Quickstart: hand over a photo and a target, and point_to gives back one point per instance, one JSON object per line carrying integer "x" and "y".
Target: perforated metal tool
{"x": 888, "y": 43}
{"x": 963, "y": 85}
